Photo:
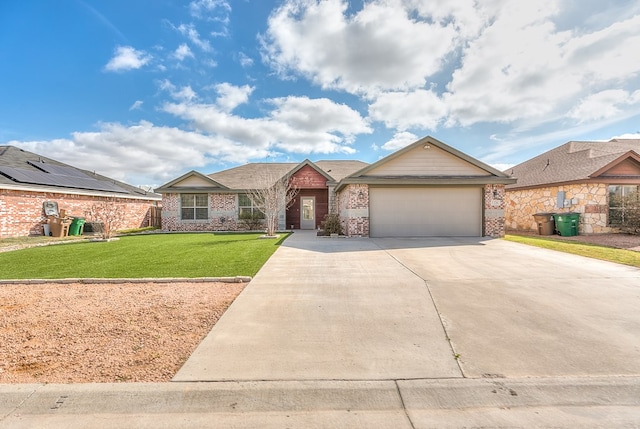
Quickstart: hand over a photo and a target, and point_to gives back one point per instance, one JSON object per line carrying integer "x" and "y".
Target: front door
{"x": 307, "y": 212}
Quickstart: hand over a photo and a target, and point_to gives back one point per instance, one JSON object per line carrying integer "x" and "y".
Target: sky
{"x": 145, "y": 91}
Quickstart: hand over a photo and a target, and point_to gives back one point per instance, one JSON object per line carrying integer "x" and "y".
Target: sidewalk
{"x": 589, "y": 402}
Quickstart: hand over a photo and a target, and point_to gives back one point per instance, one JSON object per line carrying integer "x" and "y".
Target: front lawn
{"x": 611, "y": 254}
{"x": 154, "y": 255}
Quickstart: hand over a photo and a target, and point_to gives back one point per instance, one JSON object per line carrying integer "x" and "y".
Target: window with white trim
{"x": 246, "y": 208}
{"x": 194, "y": 206}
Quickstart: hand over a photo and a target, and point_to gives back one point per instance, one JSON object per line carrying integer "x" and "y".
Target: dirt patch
{"x": 620, "y": 241}
{"x": 81, "y": 333}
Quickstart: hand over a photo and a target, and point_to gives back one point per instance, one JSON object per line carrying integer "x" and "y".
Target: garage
{"x": 426, "y": 211}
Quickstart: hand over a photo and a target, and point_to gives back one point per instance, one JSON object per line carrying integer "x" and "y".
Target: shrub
{"x": 252, "y": 220}
{"x": 331, "y": 224}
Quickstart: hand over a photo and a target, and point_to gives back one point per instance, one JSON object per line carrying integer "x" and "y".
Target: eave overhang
{"x": 425, "y": 181}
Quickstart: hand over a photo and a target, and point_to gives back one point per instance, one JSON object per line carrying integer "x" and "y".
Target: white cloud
{"x": 217, "y": 10}
{"x": 183, "y": 51}
{"x": 245, "y": 61}
{"x": 424, "y": 65}
{"x": 186, "y": 93}
{"x": 127, "y": 58}
{"x": 136, "y": 105}
{"x": 632, "y": 136}
{"x": 381, "y": 47}
{"x": 317, "y": 115}
{"x": 189, "y": 31}
{"x": 400, "y": 140}
{"x": 296, "y": 125}
{"x": 523, "y": 69}
{"x": 602, "y": 105}
{"x": 404, "y": 110}
{"x": 231, "y": 96}
{"x": 502, "y": 166}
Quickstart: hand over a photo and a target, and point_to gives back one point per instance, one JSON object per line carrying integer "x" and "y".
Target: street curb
{"x": 236, "y": 279}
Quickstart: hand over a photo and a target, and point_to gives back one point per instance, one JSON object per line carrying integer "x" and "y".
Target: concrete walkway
{"x": 386, "y": 333}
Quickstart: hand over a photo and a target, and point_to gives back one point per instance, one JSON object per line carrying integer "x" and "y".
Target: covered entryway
{"x": 426, "y": 211}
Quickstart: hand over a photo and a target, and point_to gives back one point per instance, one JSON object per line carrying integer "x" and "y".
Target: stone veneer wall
{"x": 353, "y": 208}
{"x": 494, "y": 210}
{"x": 223, "y": 214}
{"x": 22, "y": 212}
{"x": 590, "y": 200}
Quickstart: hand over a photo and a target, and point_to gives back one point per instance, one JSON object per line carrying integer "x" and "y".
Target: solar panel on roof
{"x": 49, "y": 179}
{"x": 58, "y": 169}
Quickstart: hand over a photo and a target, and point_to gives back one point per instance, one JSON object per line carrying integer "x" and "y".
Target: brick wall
{"x": 590, "y": 200}
{"x": 22, "y": 213}
{"x": 353, "y": 208}
{"x": 223, "y": 214}
{"x": 308, "y": 178}
{"x": 494, "y": 210}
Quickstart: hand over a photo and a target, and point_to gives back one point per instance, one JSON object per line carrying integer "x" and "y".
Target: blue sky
{"x": 144, "y": 91}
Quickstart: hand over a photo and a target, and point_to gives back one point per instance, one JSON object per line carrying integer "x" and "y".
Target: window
{"x": 194, "y": 206}
{"x": 246, "y": 209}
{"x": 624, "y": 204}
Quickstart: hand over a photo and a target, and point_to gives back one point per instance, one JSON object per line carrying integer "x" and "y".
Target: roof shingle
{"x": 573, "y": 161}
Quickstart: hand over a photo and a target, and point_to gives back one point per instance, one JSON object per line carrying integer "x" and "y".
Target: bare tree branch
{"x": 272, "y": 196}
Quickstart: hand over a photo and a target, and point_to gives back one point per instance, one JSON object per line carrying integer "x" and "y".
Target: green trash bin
{"x": 567, "y": 223}
{"x": 76, "y": 226}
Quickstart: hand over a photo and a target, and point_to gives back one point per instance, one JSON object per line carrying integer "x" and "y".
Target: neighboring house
{"x": 590, "y": 178}
{"x": 424, "y": 189}
{"x": 28, "y": 180}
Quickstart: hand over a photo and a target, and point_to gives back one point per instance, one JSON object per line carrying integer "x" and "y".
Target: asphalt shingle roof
{"x": 251, "y": 176}
{"x": 575, "y": 160}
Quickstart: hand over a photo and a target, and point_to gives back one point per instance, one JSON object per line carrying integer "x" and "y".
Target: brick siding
{"x": 353, "y": 202}
{"x": 223, "y": 214}
{"x": 494, "y": 210}
{"x": 22, "y": 212}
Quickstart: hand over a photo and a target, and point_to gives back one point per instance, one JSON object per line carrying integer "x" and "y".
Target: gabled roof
{"x": 573, "y": 161}
{"x": 338, "y": 170}
{"x": 20, "y": 169}
{"x": 475, "y": 171}
{"x": 192, "y": 181}
{"x": 305, "y": 163}
{"x": 251, "y": 176}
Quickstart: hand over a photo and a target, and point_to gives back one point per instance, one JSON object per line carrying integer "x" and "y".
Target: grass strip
{"x": 611, "y": 254}
{"x": 153, "y": 255}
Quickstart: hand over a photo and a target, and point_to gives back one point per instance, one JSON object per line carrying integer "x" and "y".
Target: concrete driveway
{"x": 391, "y": 309}
{"x": 513, "y": 310}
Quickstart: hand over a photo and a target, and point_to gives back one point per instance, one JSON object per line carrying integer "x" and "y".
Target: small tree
{"x": 110, "y": 213}
{"x": 272, "y": 196}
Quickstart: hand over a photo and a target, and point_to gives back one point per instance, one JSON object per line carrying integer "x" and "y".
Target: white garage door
{"x": 425, "y": 212}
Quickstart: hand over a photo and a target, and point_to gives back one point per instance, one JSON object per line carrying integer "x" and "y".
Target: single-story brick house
{"x": 582, "y": 177}
{"x": 424, "y": 189}
{"x": 28, "y": 180}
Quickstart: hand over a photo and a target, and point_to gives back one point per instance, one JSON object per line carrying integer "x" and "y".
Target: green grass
{"x": 611, "y": 254}
{"x": 154, "y": 255}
